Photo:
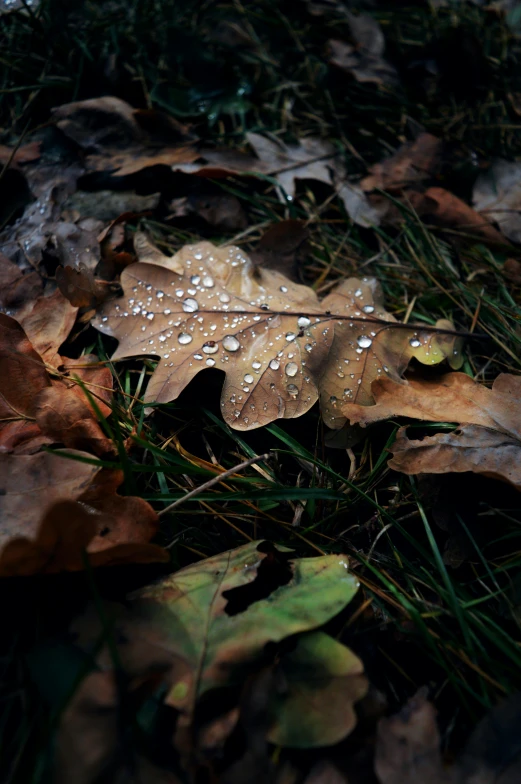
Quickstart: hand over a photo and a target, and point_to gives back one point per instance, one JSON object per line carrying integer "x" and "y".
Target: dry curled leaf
{"x": 36, "y": 409}
{"x": 487, "y": 442}
{"x": 54, "y": 507}
{"x": 412, "y": 164}
{"x": 449, "y": 210}
{"x": 497, "y": 196}
{"x": 121, "y": 140}
{"x": 209, "y": 307}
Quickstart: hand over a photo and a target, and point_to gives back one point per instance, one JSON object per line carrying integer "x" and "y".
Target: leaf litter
{"x": 293, "y": 683}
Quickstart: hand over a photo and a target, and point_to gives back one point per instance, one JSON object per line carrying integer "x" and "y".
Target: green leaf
{"x": 323, "y": 680}
{"x": 190, "y": 611}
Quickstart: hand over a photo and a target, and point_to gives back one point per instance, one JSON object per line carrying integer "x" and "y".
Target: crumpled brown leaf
{"x": 487, "y": 442}
{"x": 412, "y": 164}
{"x": 122, "y": 140}
{"x": 54, "y": 507}
{"x": 209, "y": 307}
{"x": 36, "y": 409}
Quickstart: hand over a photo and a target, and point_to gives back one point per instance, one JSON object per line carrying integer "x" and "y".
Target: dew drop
{"x": 293, "y": 390}
{"x": 208, "y": 282}
{"x": 198, "y": 356}
{"x": 190, "y": 305}
{"x": 248, "y": 379}
{"x": 340, "y": 374}
{"x": 363, "y": 341}
{"x": 290, "y": 336}
{"x": 149, "y": 287}
{"x": 414, "y": 342}
{"x": 210, "y": 362}
{"x": 179, "y": 292}
{"x": 284, "y": 289}
{"x": 230, "y": 343}
{"x": 184, "y": 338}
{"x": 308, "y": 347}
{"x": 303, "y": 322}
{"x": 224, "y": 297}
{"x": 358, "y": 293}
{"x": 368, "y": 308}
{"x": 150, "y": 316}
{"x": 195, "y": 280}
{"x": 291, "y": 369}
{"x": 333, "y": 400}
{"x": 211, "y": 347}
{"x": 167, "y": 311}
{"x": 256, "y": 365}
{"x": 162, "y": 338}
{"x": 347, "y": 392}
{"x": 274, "y": 364}
{"x": 160, "y": 294}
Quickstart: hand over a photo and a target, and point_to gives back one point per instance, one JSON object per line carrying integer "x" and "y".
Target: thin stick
{"x": 215, "y": 480}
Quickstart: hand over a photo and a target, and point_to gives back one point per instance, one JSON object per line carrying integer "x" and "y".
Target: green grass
{"x": 416, "y": 619}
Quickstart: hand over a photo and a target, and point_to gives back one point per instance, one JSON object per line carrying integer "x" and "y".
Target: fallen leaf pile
{"x": 487, "y": 441}
{"x": 208, "y": 307}
{"x": 203, "y": 631}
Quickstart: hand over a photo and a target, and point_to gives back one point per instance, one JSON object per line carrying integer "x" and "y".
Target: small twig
{"x": 211, "y": 482}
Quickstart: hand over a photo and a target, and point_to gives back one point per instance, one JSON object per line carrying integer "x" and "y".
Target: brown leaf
{"x": 22, "y": 377}
{"x": 208, "y": 307}
{"x": 451, "y": 211}
{"x": 407, "y": 746}
{"x": 497, "y": 196}
{"x": 488, "y": 441}
{"x": 470, "y": 448}
{"x": 88, "y": 744}
{"x": 222, "y": 210}
{"x": 17, "y": 288}
{"x": 280, "y": 246}
{"x": 119, "y": 139}
{"x": 42, "y": 532}
{"x": 107, "y": 205}
{"x": 48, "y": 324}
{"x": 96, "y": 376}
{"x": 259, "y": 350}
{"x": 361, "y": 353}
{"x": 80, "y": 287}
{"x": 66, "y": 419}
{"x": 364, "y": 60}
{"x": 412, "y": 164}
{"x": 26, "y": 154}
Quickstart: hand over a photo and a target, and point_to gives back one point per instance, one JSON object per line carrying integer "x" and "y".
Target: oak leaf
{"x": 37, "y": 409}
{"x": 488, "y": 440}
{"x": 210, "y": 623}
{"x": 54, "y": 507}
{"x": 209, "y": 307}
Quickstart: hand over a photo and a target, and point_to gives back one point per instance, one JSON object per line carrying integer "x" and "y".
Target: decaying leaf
{"x": 449, "y": 210}
{"x": 47, "y": 322}
{"x": 209, "y": 307}
{"x": 364, "y": 60}
{"x": 36, "y": 409}
{"x": 281, "y": 247}
{"x": 322, "y": 679}
{"x": 412, "y": 164}
{"x": 80, "y": 287}
{"x": 487, "y": 442}
{"x": 13, "y": 157}
{"x": 121, "y": 140}
{"x": 408, "y": 746}
{"x": 54, "y": 507}
{"x": 210, "y": 622}
{"x": 497, "y": 195}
